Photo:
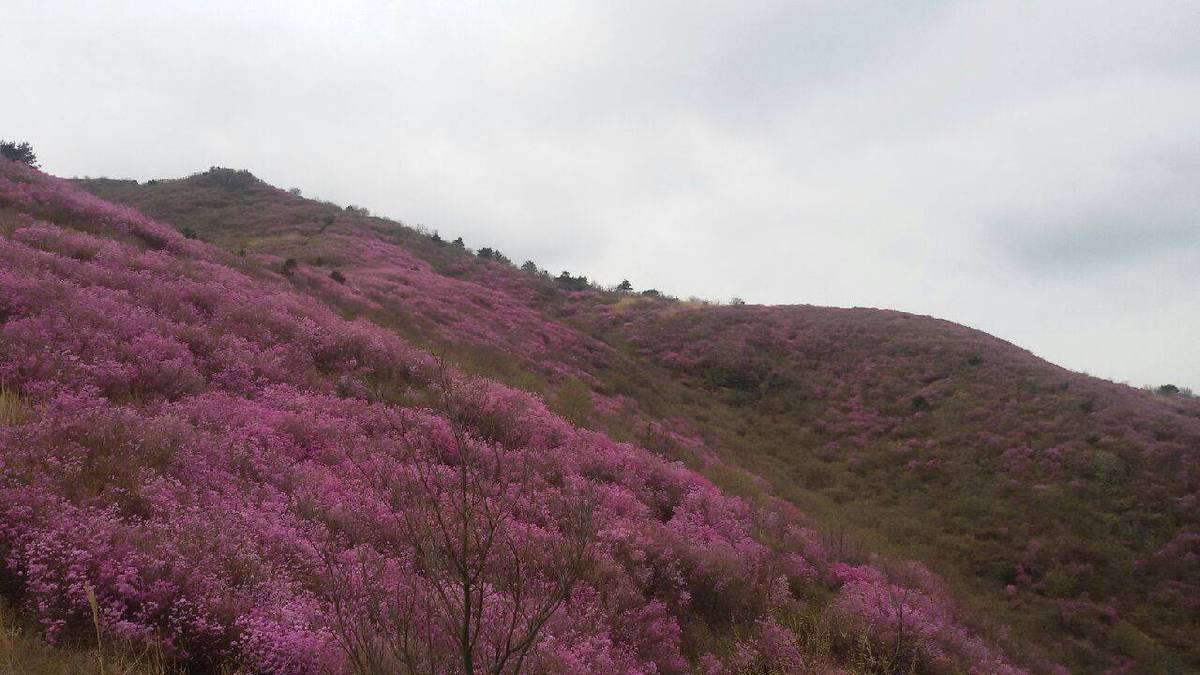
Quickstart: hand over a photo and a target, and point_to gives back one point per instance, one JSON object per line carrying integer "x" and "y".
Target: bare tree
{"x": 906, "y": 649}
{"x": 487, "y": 578}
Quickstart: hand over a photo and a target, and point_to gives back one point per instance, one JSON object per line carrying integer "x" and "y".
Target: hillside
{"x": 1061, "y": 506}
{"x": 235, "y": 449}
{"x": 198, "y": 458}
{"x": 1064, "y": 503}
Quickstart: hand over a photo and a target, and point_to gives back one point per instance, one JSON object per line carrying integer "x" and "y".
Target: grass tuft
{"x": 23, "y": 652}
{"x": 12, "y": 409}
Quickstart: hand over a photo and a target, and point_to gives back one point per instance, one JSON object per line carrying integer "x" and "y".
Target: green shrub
{"x": 1108, "y": 468}
{"x": 1059, "y": 583}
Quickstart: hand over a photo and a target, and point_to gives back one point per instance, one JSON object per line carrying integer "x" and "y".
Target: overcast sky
{"x": 1032, "y": 170}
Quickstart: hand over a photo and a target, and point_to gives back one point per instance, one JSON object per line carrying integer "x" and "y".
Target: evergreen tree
{"x": 19, "y": 152}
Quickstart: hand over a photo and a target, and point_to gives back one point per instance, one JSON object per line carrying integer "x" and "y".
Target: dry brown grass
{"x": 12, "y": 408}
{"x": 10, "y": 220}
{"x": 23, "y": 652}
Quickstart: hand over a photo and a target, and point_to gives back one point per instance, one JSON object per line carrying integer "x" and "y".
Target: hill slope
{"x": 197, "y": 452}
{"x": 158, "y": 386}
{"x": 1062, "y": 505}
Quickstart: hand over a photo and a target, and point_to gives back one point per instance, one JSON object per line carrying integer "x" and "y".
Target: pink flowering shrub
{"x": 773, "y": 649}
{"x": 909, "y": 626}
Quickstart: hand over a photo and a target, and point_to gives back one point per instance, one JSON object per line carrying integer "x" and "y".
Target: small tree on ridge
{"x": 19, "y": 152}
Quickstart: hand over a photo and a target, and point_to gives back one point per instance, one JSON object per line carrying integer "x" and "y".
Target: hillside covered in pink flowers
{"x": 266, "y": 434}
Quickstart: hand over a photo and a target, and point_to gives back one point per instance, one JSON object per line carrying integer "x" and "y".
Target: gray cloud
{"x": 1151, "y": 210}
{"x": 1026, "y": 168}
